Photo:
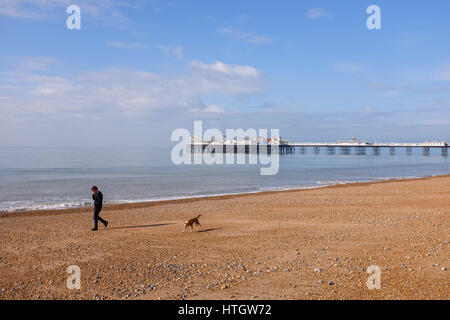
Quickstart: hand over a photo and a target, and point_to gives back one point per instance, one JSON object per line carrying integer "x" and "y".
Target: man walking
{"x": 97, "y": 196}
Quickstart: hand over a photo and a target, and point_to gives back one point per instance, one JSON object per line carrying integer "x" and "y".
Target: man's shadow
{"x": 143, "y": 226}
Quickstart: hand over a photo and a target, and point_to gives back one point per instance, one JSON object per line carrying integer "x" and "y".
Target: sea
{"x": 36, "y": 178}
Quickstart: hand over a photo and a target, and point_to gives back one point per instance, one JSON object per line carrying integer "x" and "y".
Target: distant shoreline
{"x": 151, "y": 203}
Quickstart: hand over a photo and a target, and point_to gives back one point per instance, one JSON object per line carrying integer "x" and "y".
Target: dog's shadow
{"x": 209, "y": 229}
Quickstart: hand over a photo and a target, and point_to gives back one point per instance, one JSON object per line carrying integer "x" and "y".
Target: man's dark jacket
{"x": 98, "y": 200}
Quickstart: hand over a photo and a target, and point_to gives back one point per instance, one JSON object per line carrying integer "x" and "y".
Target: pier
{"x": 351, "y": 147}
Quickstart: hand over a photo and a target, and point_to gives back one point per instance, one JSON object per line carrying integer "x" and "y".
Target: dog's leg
{"x": 184, "y": 228}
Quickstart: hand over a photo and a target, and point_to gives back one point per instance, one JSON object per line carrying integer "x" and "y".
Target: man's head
{"x": 94, "y": 189}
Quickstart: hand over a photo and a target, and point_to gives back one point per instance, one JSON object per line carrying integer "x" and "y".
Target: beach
{"x": 298, "y": 244}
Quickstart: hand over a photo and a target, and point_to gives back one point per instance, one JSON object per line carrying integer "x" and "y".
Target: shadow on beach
{"x": 133, "y": 227}
{"x": 210, "y": 229}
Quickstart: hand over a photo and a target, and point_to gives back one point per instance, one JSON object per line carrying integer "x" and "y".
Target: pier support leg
{"x": 392, "y": 151}
{"x": 426, "y": 151}
{"x": 331, "y": 150}
{"x": 360, "y": 151}
{"x": 376, "y": 151}
{"x": 316, "y": 150}
{"x": 444, "y": 152}
{"x": 345, "y": 151}
{"x": 408, "y": 151}
{"x": 302, "y": 150}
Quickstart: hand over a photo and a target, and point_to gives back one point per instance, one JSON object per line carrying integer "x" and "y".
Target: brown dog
{"x": 191, "y": 222}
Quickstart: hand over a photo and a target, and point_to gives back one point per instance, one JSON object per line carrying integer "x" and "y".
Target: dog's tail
{"x": 198, "y": 216}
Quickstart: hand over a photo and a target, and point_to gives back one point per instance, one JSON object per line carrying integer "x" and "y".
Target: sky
{"x": 137, "y": 70}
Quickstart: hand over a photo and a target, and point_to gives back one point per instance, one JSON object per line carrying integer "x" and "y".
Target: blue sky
{"x": 139, "y": 69}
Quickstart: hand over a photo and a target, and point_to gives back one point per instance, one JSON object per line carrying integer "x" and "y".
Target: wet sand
{"x": 302, "y": 244}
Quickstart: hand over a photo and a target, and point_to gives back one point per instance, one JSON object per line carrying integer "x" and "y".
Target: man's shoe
{"x": 106, "y": 224}
{"x": 94, "y": 229}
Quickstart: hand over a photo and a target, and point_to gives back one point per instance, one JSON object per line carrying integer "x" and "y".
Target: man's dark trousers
{"x": 98, "y": 218}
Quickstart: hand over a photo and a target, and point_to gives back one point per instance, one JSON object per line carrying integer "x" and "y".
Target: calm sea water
{"x": 58, "y": 178}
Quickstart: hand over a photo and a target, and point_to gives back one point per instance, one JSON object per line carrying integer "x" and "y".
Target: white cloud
{"x": 212, "y": 108}
{"x": 168, "y": 50}
{"x": 235, "y": 80}
{"x": 112, "y": 92}
{"x": 32, "y": 63}
{"x": 317, "y": 13}
{"x": 24, "y": 9}
{"x": 243, "y": 17}
{"x": 387, "y": 89}
{"x": 229, "y": 69}
{"x": 106, "y": 10}
{"x": 248, "y": 37}
{"x": 348, "y": 67}
{"x": 443, "y": 74}
{"x": 367, "y": 110}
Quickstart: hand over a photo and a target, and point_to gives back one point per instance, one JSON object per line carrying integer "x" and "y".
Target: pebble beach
{"x": 297, "y": 244}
